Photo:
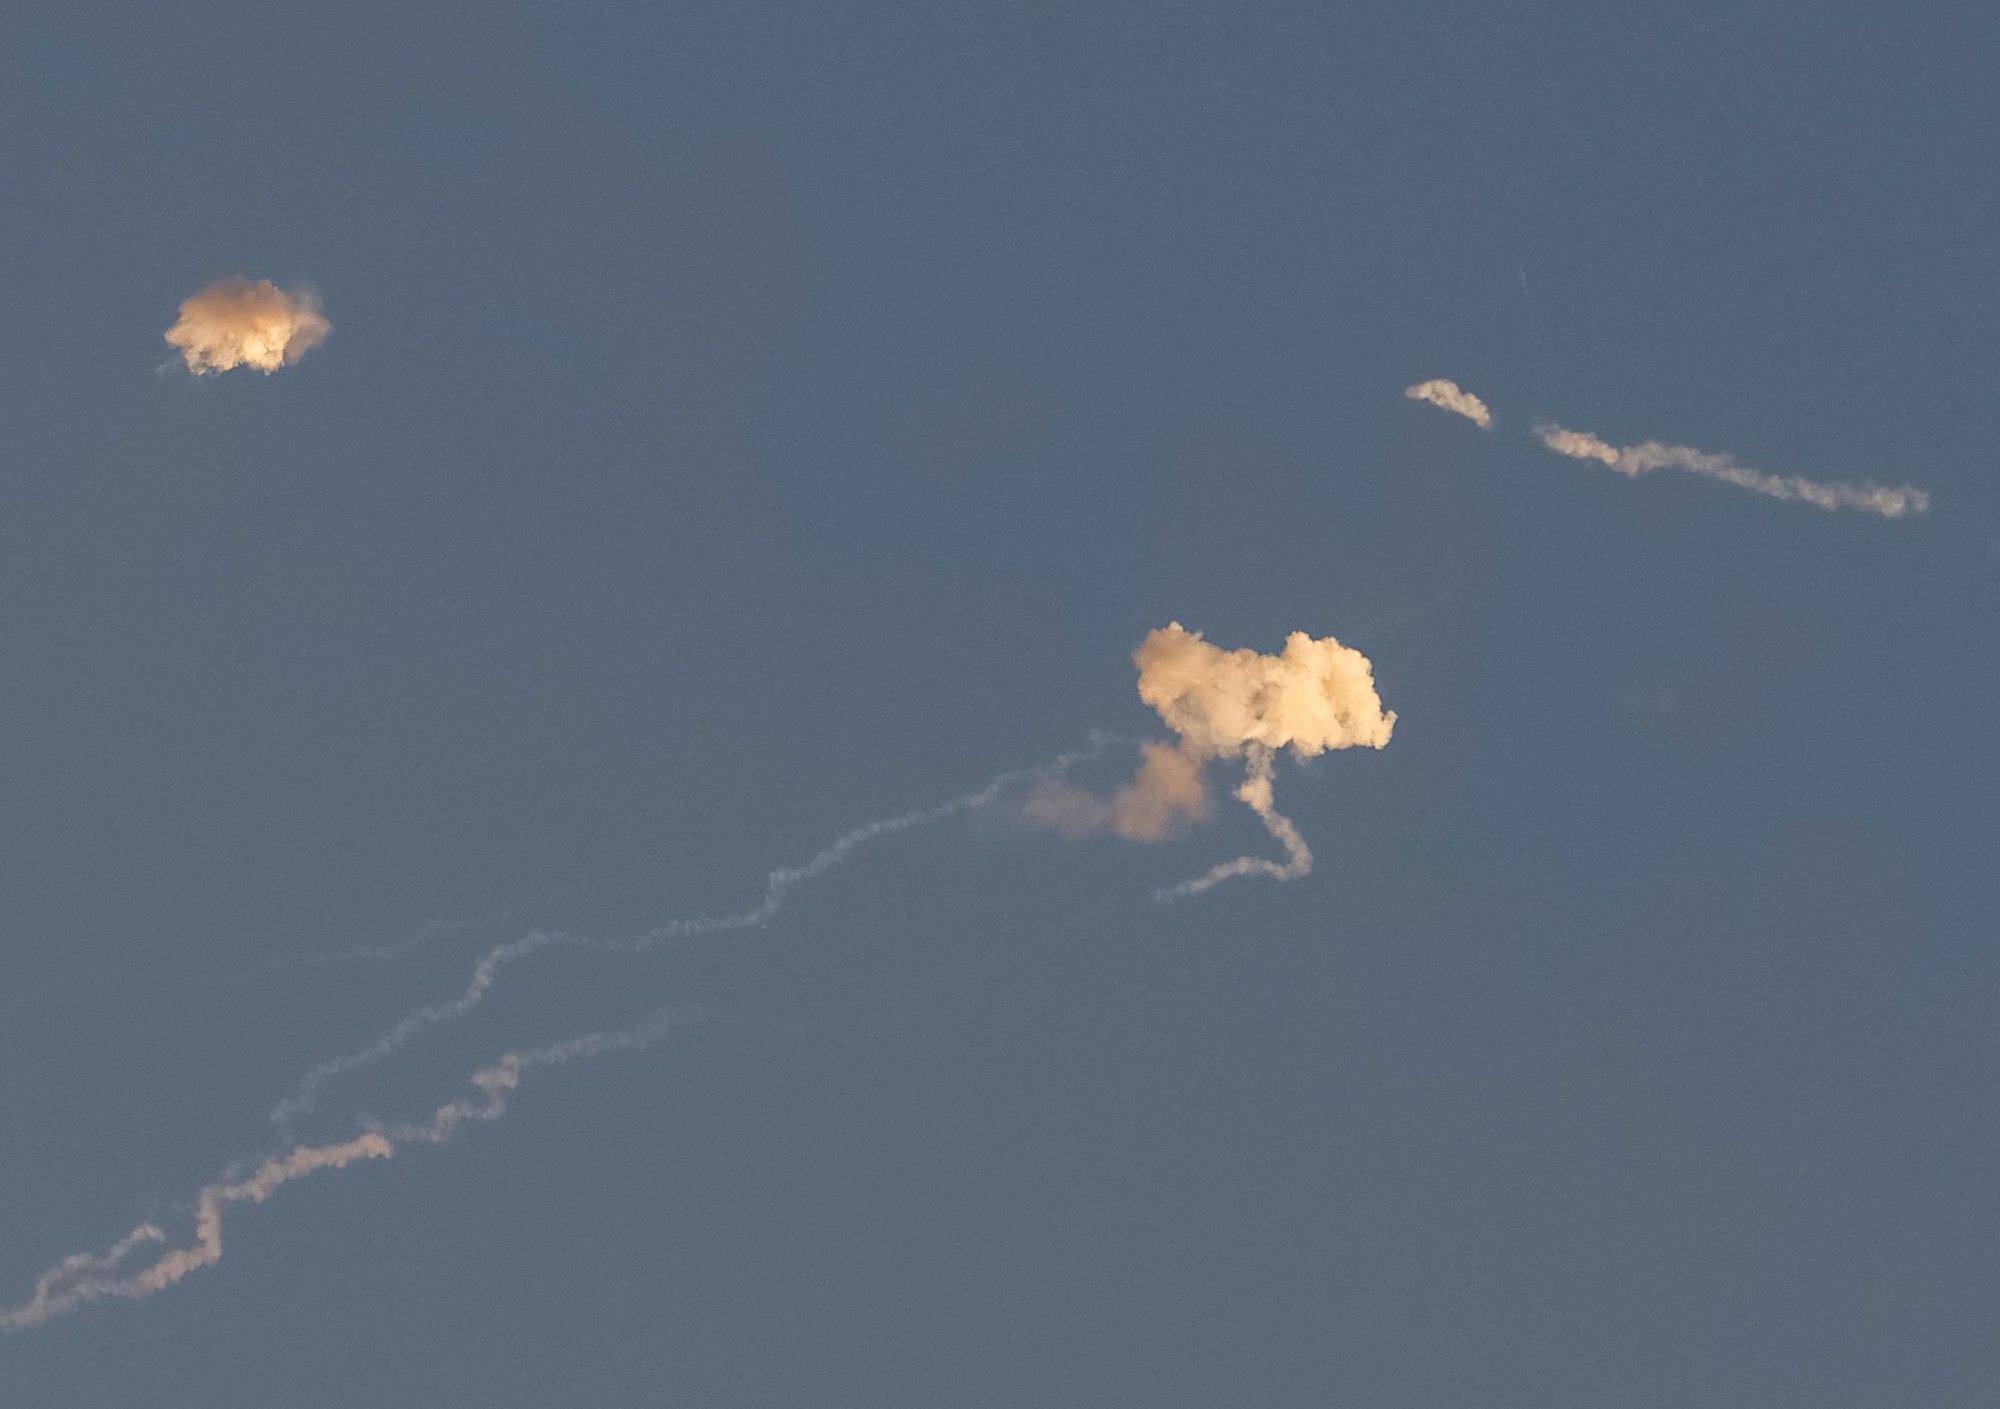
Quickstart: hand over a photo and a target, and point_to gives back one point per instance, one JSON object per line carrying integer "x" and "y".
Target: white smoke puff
{"x": 1446, "y": 396}
{"x": 1315, "y": 696}
{"x": 238, "y": 323}
{"x": 1635, "y": 460}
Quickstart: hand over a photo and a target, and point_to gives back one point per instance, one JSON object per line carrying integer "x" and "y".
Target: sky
{"x": 738, "y": 424}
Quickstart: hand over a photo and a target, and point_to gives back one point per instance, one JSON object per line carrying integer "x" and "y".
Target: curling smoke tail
{"x": 1257, "y": 791}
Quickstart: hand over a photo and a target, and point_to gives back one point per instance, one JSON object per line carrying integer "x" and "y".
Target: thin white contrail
{"x": 82, "y": 1278}
{"x": 778, "y": 885}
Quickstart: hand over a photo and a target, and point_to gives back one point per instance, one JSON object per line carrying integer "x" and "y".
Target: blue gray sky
{"x": 744, "y": 421}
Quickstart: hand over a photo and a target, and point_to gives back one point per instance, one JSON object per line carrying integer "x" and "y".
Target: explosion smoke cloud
{"x": 1315, "y": 696}
{"x": 778, "y": 886}
{"x": 240, "y": 323}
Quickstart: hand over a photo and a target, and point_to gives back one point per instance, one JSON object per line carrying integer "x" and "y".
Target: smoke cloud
{"x": 1446, "y": 396}
{"x": 240, "y": 323}
{"x": 1315, "y": 696}
{"x": 1636, "y": 460}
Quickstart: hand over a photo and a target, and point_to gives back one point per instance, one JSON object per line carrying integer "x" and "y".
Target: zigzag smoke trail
{"x": 1256, "y": 792}
{"x": 80, "y": 1279}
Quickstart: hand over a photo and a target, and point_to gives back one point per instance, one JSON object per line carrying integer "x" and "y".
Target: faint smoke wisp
{"x": 1636, "y": 460}
{"x": 1446, "y": 396}
{"x": 119, "y": 1272}
{"x": 778, "y": 886}
{"x": 245, "y": 323}
{"x": 1314, "y": 696}
{"x": 1168, "y": 790}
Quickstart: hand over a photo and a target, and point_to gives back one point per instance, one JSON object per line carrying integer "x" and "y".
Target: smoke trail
{"x": 1316, "y": 695}
{"x": 498, "y": 1081}
{"x": 1168, "y": 790}
{"x": 1446, "y": 396}
{"x": 237, "y": 323}
{"x": 778, "y": 885}
{"x": 83, "y": 1278}
{"x": 1636, "y": 460}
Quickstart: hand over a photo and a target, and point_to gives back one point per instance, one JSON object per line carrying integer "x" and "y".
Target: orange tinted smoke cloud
{"x": 1314, "y": 696}
{"x": 238, "y": 323}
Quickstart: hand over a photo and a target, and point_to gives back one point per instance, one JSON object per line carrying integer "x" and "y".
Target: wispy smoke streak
{"x": 778, "y": 886}
{"x": 238, "y": 323}
{"x": 1636, "y": 460}
{"x": 82, "y": 1278}
{"x": 1446, "y": 396}
{"x": 498, "y": 1081}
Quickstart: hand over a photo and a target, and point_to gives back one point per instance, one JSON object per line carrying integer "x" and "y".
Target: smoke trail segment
{"x": 778, "y": 886}
{"x": 1633, "y": 461}
{"x": 80, "y": 1279}
{"x": 1446, "y": 396}
{"x": 83, "y": 1278}
{"x": 86, "y": 1277}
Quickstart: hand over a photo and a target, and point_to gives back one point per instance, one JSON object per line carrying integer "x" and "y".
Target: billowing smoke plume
{"x": 238, "y": 323}
{"x": 1636, "y": 460}
{"x": 1316, "y": 695}
{"x": 1447, "y": 396}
